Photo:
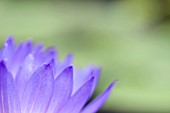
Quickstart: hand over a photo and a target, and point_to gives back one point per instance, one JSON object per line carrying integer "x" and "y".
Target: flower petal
{"x": 60, "y": 66}
{"x": 8, "y": 50}
{"x": 96, "y": 74}
{"x": 45, "y": 92}
{"x": 38, "y": 91}
{"x": 18, "y": 57}
{"x": 96, "y": 104}
{"x": 62, "y": 90}
{"x": 42, "y": 57}
{"x": 24, "y": 73}
{"x": 50, "y": 53}
{"x": 78, "y": 100}
{"x": 82, "y": 75}
{"x": 9, "y": 100}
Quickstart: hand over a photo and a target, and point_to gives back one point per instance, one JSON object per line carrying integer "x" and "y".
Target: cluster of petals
{"x": 33, "y": 80}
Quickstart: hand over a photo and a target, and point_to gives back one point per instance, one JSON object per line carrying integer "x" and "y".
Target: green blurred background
{"x": 129, "y": 39}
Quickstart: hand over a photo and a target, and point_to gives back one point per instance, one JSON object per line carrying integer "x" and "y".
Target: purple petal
{"x": 78, "y": 100}
{"x": 38, "y": 91}
{"x": 62, "y": 90}
{"x": 9, "y": 100}
{"x": 96, "y": 74}
{"x": 24, "y": 73}
{"x": 8, "y": 50}
{"x": 30, "y": 64}
{"x": 50, "y": 53}
{"x": 61, "y": 66}
{"x": 18, "y": 57}
{"x": 45, "y": 92}
{"x": 81, "y": 76}
{"x": 38, "y": 49}
{"x": 96, "y": 104}
{"x": 37, "y": 53}
{"x": 42, "y": 57}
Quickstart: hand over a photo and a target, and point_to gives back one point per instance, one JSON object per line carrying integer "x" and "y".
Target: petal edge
{"x": 96, "y": 104}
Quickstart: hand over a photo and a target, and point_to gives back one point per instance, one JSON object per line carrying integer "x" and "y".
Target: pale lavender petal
{"x": 82, "y": 75}
{"x": 42, "y": 57}
{"x": 78, "y": 100}
{"x": 8, "y": 50}
{"x": 9, "y": 102}
{"x": 62, "y": 90}
{"x": 38, "y": 49}
{"x": 18, "y": 57}
{"x": 96, "y": 74}
{"x": 96, "y": 104}
{"x": 50, "y": 53}
{"x": 42, "y": 78}
{"x": 68, "y": 60}
{"x": 24, "y": 73}
{"x": 60, "y": 66}
{"x": 37, "y": 53}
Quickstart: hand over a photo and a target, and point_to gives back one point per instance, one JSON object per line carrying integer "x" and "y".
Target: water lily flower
{"x": 33, "y": 80}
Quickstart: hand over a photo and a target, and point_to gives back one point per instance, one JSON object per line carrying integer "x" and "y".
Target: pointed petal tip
{"x": 112, "y": 85}
{"x": 29, "y": 43}
{"x": 91, "y": 80}
{"x": 114, "y": 82}
{"x": 68, "y": 70}
{"x": 99, "y": 69}
{"x": 52, "y": 61}
{"x": 49, "y": 65}
{"x": 49, "y": 68}
{"x": 2, "y": 64}
{"x": 52, "y": 50}
{"x": 70, "y": 56}
{"x": 10, "y": 38}
{"x": 96, "y": 71}
{"x": 9, "y": 41}
{"x": 40, "y": 45}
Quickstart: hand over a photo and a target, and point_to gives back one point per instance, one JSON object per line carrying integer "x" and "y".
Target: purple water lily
{"x": 32, "y": 80}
